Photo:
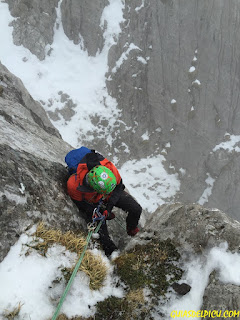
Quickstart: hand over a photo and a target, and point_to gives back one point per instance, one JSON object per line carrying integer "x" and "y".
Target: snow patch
{"x": 145, "y": 136}
{"x": 142, "y": 60}
{"x": 196, "y": 82}
{"x": 208, "y": 191}
{"x": 124, "y": 56}
{"x": 11, "y": 196}
{"x": 230, "y": 145}
{"x": 139, "y": 8}
{"x": 27, "y": 278}
{"x": 197, "y": 275}
{"x": 192, "y": 69}
{"x": 149, "y": 182}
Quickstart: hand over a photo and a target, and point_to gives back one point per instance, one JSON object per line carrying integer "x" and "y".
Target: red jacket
{"x": 80, "y": 192}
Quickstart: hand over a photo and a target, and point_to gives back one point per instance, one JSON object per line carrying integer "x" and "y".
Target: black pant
{"x": 127, "y": 203}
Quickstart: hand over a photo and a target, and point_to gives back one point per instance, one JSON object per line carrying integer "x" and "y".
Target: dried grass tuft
{"x": 135, "y": 297}
{"x": 71, "y": 241}
{"x": 92, "y": 265}
{"x": 10, "y": 315}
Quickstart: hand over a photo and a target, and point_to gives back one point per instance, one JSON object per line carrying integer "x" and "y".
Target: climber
{"x": 97, "y": 179}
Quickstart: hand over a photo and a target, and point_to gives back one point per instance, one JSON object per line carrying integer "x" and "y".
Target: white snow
{"x": 230, "y": 145}
{"x": 197, "y": 274}
{"x": 208, "y": 191}
{"x": 140, "y": 7}
{"x": 182, "y": 171}
{"x": 22, "y": 188}
{"x": 142, "y": 60}
{"x": 145, "y": 136}
{"x": 12, "y": 196}
{"x": 197, "y": 82}
{"x": 28, "y": 279}
{"x": 124, "y": 56}
{"x": 149, "y": 182}
{"x": 192, "y": 69}
{"x": 68, "y": 69}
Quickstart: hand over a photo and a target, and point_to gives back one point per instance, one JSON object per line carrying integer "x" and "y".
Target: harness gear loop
{"x": 97, "y": 216}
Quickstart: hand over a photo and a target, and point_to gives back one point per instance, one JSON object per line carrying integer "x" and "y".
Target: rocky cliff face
{"x": 180, "y": 84}
{"x": 32, "y": 166}
{"x": 177, "y": 238}
{"x": 34, "y": 24}
{"x": 175, "y": 74}
{"x": 195, "y": 231}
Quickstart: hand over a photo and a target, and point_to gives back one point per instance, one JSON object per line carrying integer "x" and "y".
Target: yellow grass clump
{"x": 10, "y": 315}
{"x": 92, "y": 265}
{"x": 135, "y": 297}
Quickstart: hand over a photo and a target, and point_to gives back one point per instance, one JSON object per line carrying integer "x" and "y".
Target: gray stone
{"x": 194, "y": 228}
{"x": 221, "y": 296}
{"x": 15, "y": 92}
{"x": 81, "y": 23}
{"x": 32, "y": 190}
{"x": 172, "y": 36}
{"x": 34, "y": 24}
{"x": 33, "y": 173}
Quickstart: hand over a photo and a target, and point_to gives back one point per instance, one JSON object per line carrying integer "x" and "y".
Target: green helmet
{"x": 101, "y": 179}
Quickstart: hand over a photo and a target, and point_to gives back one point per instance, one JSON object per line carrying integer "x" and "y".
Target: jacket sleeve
{"x": 115, "y": 196}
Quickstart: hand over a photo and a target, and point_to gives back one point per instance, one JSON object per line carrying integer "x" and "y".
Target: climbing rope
{"x": 92, "y": 229}
{"x": 120, "y": 223}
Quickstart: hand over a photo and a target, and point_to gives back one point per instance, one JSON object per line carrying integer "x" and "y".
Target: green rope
{"x": 119, "y": 222}
{"x": 75, "y": 271}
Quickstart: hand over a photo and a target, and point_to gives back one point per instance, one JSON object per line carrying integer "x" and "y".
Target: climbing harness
{"x": 97, "y": 216}
{"x": 92, "y": 228}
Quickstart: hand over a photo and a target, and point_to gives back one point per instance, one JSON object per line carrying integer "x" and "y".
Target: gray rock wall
{"x": 34, "y": 24}
{"x": 178, "y": 82}
{"x": 35, "y": 20}
{"x": 81, "y": 23}
{"x": 33, "y": 175}
{"x": 173, "y": 36}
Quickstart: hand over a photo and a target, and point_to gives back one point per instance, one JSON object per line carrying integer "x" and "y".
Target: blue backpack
{"x": 73, "y": 158}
